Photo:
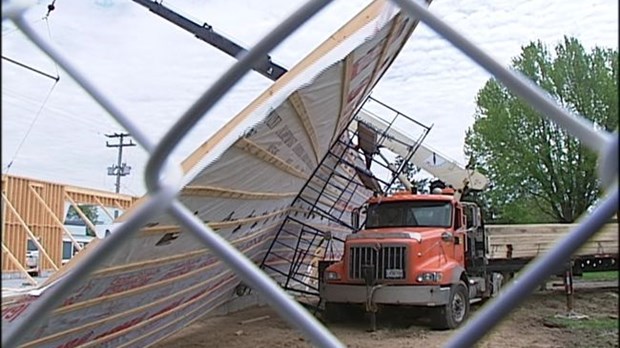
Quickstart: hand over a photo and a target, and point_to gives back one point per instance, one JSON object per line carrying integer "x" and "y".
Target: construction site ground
{"x": 536, "y": 323}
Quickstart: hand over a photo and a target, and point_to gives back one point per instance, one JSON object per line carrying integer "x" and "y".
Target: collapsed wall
{"x": 243, "y": 181}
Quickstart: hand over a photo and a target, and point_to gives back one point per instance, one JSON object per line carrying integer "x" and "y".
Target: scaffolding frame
{"x": 317, "y": 201}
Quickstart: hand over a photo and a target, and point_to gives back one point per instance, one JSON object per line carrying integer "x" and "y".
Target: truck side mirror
{"x": 355, "y": 219}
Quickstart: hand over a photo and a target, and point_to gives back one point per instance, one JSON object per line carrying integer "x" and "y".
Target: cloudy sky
{"x": 154, "y": 70}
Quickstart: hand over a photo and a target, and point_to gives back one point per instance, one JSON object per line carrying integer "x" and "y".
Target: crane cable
{"x": 50, "y": 8}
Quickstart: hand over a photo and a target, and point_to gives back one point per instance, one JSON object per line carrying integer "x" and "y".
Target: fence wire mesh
{"x": 161, "y": 195}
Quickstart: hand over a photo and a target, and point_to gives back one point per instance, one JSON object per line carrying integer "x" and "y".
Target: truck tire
{"x": 454, "y": 313}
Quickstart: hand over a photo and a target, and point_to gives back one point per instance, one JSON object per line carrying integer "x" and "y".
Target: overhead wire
{"x": 8, "y": 167}
{"x": 50, "y": 8}
{"x": 15, "y": 98}
{"x": 49, "y": 33}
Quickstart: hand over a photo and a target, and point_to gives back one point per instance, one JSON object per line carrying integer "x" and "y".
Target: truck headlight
{"x": 429, "y": 277}
{"x": 329, "y": 275}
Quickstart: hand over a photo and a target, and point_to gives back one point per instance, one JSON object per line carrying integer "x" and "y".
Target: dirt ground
{"x": 534, "y": 324}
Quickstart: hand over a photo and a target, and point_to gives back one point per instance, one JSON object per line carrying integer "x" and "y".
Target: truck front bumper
{"x": 417, "y": 295}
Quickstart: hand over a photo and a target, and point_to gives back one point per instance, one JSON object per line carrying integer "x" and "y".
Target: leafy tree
{"x": 538, "y": 171}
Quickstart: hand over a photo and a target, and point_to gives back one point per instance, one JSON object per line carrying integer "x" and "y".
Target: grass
{"x": 598, "y": 276}
{"x": 595, "y": 324}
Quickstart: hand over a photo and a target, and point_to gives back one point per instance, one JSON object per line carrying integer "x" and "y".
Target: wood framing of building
{"x": 36, "y": 208}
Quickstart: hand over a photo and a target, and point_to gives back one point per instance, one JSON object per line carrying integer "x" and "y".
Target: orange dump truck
{"x": 421, "y": 250}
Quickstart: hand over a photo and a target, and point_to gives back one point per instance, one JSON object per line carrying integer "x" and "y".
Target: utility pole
{"x": 120, "y": 169}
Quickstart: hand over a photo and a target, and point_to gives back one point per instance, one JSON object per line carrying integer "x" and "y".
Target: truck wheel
{"x": 455, "y": 311}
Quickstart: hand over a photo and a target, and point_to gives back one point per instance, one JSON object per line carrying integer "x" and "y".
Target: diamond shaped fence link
{"x": 162, "y": 195}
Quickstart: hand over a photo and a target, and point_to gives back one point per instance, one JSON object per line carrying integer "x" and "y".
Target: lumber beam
{"x": 18, "y": 264}
{"x": 105, "y": 210}
{"x": 528, "y": 241}
{"x": 81, "y": 213}
{"x": 29, "y": 232}
{"x": 55, "y": 218}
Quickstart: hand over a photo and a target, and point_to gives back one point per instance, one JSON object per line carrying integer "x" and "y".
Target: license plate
{"x": 393, "y": 273}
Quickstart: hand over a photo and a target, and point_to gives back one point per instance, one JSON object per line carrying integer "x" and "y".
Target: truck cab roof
{"x": 408, "y": 196}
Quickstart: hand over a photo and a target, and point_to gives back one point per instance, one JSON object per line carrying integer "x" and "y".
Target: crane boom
{"x": 206, "y": 33}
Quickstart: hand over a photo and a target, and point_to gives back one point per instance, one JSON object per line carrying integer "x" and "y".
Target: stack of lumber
{"x": 527, "y": 241}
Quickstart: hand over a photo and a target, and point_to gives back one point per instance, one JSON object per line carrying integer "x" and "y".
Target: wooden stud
{"x": 81, "y": 214}
{"x": 302, "y": 114}
{"x": 18, "y": 264}
{"x": 211, "y": 191}
{"x": 55, "y": 218}
{"x": 105, "y": 210}
{"x": 261, "y": 153}
{"x": 29, "y": 232}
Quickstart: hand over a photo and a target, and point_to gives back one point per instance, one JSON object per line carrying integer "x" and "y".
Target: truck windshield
{"x": 410, "y": 214}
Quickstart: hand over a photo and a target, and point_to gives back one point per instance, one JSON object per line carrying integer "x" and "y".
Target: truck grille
{"x": 387, "y": 263}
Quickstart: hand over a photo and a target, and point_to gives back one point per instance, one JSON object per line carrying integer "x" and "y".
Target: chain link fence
{"x": 161, "y": 196}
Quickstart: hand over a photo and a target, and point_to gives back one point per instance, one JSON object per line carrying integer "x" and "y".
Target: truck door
{"x": 460, "y": 237}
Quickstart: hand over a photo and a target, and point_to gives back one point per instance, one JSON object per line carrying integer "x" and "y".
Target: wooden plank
{"x": 528, "y": 241}
{"x": 90, "y": 193}
{"x": 261, "y": 153}
{"x": 344, "y": 93}
{"x": 18, "y": 264}
{"x": 105, "y": 210}
{"x": 55, "y": 218}
{"x": 541, "y": 228}
{"x": 302, "y": 114}
{"x": 29, "y": 232}
{"x": 211, "y": 191}
{"x": 253, "y": 320}
{"x": 81, "y": 214}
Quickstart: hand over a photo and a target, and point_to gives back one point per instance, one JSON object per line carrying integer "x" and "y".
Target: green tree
{"x": 540, "y": 173}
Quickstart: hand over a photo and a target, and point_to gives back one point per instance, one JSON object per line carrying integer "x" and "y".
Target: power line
{"x": 8, "y": 167}
{"x": 50, "y": 8}
{"x": 56, "y": 78}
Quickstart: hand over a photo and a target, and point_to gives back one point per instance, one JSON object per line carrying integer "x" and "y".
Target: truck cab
{"x": 414, "y": 250}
